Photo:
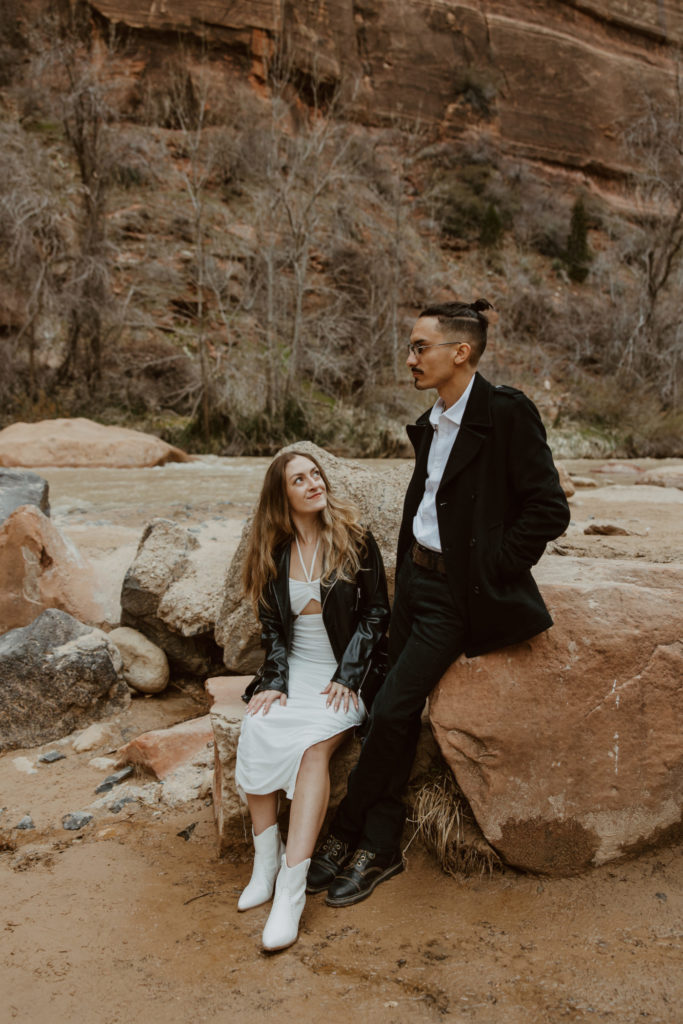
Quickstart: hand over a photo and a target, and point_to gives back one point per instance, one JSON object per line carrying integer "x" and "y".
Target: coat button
{"x": 473, "y": 541}
{"x": 443, "y": 504}
{"x": 476, "y": 590}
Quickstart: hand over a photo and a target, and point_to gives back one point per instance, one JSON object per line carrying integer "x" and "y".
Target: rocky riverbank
{"x": 139, "y": 884}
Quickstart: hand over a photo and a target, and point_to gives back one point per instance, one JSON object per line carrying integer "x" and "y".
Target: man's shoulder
{"x": 507, "y": 390}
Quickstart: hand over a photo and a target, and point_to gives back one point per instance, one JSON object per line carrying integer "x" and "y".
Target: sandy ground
{"x": 126, "y": 920}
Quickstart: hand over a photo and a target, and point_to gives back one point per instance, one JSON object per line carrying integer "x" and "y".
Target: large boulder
{"x": 172, "y": 594}
{"x": 237, "y": 630}
{"x": 56, "y": 675}
{"x": 81, "y": 442}
{"x": 568, "y": 747}
{"x": 40, "y": 569}
{"x": 22, "y": 488}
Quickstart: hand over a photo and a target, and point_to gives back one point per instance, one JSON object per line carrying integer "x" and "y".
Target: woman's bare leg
{"x": 311, "y": 796}
{"x": 263, "y": 811}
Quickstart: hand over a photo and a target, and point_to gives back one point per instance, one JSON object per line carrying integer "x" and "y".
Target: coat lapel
{"x": 420, "y": 435}
{"x": 473, "y": 431}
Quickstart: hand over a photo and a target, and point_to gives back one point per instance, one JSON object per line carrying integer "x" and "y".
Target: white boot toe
{"x": 282, "y": 926}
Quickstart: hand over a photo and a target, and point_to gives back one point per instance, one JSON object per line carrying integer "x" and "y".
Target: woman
{"x": 317, "y": 580}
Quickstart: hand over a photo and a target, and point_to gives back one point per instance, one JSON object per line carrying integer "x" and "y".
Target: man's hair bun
{"x": 485, "y": 309}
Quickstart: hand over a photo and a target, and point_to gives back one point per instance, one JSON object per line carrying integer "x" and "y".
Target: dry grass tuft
{"x": 444, "y": 822}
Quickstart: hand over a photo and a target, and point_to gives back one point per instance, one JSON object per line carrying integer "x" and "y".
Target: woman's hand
{"x": 338, "y": 694}
{"x": 264, "y": 699}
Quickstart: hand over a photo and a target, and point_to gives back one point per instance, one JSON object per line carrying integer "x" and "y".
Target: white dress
{"x": 271, "y": 746}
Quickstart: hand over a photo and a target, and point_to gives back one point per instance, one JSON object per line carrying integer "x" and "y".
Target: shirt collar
{"x": 456, "y": 411}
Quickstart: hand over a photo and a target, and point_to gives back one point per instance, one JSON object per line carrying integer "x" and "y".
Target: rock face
{"x": 237, "y": 629}
{"x": 56, "y": 675}
{"x": 171, "y": 594}
{"x": 39, "y": 569}
{"x": 568, "y": 748}
{"x": 22, "y": 488}
{"x": 81, "y": 442}
{"x": 145, "y": 666}
{"x": 504, "y": 68}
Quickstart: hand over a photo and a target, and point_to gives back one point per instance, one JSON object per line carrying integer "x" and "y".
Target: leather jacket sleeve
{"x": 371, "y": 618}
{"x": 274, "y": 673}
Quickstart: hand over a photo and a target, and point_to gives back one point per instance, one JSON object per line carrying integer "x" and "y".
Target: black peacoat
{"x": 498, "y": 505}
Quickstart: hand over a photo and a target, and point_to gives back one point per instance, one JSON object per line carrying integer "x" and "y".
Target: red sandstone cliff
{"x": 551, "y": 80}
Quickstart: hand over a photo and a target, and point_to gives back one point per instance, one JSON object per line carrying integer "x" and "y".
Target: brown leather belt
{"x": 427, "y": 559}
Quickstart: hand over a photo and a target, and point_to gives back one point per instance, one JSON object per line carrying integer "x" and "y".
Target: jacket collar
{"x": 473, "y": 429}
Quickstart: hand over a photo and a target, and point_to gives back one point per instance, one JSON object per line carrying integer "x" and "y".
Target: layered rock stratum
{"x": 550, "y": 81}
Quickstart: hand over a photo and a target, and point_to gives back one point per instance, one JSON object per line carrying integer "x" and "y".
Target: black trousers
{"x": 425, "y": 636}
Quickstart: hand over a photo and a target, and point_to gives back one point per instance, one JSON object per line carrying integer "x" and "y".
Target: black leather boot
{"x": 326, "y": 863}
{"x": 362, "y": 873}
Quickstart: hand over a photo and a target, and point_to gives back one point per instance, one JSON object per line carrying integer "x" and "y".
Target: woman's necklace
{"x": 307, "y": 573}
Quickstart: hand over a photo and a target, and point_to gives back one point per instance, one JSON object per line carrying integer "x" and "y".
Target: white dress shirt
{"x": 446, "y": 424}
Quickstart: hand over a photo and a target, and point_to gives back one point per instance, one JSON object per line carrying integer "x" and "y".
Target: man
{"x": 484, "y": 500}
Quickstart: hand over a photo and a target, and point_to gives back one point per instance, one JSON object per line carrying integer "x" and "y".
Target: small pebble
{"x": 51, "y": 757}
{"x": 26, "y": 822}
{"x": 103, "y": 764}
{"x": 120, "y": 804}
{"x": 185, "y": 833}
{"x": 113, "y": 780}
{"x": 661, "y": 896}
{"x": 79, "y": 819}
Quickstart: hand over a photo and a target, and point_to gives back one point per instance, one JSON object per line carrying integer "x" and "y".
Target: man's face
{"x": 438, "y": 358}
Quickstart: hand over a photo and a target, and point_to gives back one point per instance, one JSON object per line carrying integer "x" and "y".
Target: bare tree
{"x": 32, "y": 232}
{"x": 655, "y": 142}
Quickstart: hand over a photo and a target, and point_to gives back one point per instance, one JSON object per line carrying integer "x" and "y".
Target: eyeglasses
{"x": 416, "y": 348}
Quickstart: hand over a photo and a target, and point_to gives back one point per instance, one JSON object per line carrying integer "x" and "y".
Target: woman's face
{"x": 306, "y": 491}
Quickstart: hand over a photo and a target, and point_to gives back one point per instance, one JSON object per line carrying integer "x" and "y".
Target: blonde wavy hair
{"x": 341, "y": 534}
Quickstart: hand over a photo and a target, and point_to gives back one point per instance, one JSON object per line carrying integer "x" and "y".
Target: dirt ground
{"x": 126, "y": 920}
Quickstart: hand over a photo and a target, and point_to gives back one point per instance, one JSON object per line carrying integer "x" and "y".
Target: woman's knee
{"x": 320, "y": 753}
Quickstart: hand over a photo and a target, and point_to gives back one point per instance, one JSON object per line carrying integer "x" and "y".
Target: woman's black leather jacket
{"x": 355, "y": 614}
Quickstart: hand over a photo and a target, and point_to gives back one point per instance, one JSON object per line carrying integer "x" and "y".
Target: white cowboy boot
{"x": 282, "y": 926}
{"x": 268, "y": 849}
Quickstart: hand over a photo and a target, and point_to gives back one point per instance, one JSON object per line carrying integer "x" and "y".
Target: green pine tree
{"x": 578, "y": 255}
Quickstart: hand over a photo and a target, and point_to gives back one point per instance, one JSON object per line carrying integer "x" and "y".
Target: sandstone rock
{"x": 171, "y": 594}
{"x": 22, "y": 488}
{"x": 566, "y": 482}
{"x": 502, "y": 69}
{"x": 237, "y": 630}
{"x": 226, "y": 688}
{"x": 40, "y": 569}
{"x": 56, "y": 675}
{"x": 102, "y": 764}
{"x": 162, "y": 751}
{"x": 81, "y": 442}
{"x": 97, "y": 735}
{"x": 567, "y": 747}
{"x": 664, "y": 476}
{"x": 145, "y": 666}
{"x": 606, "y": 530}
